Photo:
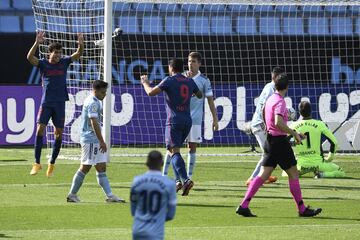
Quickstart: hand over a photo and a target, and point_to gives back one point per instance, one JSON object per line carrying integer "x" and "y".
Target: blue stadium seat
{"x": 168, "y": 8}
{"x": 318, "y": 26}
{"x": 144, "y": 7}
{"x": 94, "y": 5}
{"x": 270, "y": 25}
{"x": 215, "y": 8}
{"x": 56, "y": 24}
{"x": 81, "y": 25}
{"x": 199, "y": 25}
{"x": 72, "y": 5}
{"x": 357, "y": 29}
{"x": 341, "y": 26}
{"x": 221, "y": 25}
{"x": 246, "y": 25}
{"x": 191, "y": 8}
{"x": 9, "y": 24}
{"x": 5, "y": 5}
{"x": 239, "y": 8}
{"x": 263, "y": 8}
{"x": 286, "y": 8}
{"x": 40, "y": 23}
{"x": 22, "y": 4}
{"x": 152, "y": 24}
{"x": 129, "y": 24}
{"x": 175, "y": 24}
{"x": 29, "y": 24}
{"x": 99, "y": 24}
{"x": 293, "y": 26}
{"x": 336, "y": 9}
{"x": 121, "y": 6}
{"x": 308, "y": 8}
{"x": 354, "y": 9}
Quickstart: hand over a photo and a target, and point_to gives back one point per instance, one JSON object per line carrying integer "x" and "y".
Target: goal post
{"x": 317, "y": 42}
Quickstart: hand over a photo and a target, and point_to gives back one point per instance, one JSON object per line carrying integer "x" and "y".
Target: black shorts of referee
{"x": 277, "y": 150}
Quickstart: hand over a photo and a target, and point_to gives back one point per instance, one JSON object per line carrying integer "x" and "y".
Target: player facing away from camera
{"x": 178, "y": 90}
{"x": 258, "y": 125}
{"x": 93, "y": 147}
{"x": 54, "y": 95}
{"x": 310, "y": 155}
{"x": 153, "y": 200}
{"x": 277, "y": 150}
{"x": 197, "y": 113}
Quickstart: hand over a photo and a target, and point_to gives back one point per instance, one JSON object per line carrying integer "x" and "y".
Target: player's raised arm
{"x": 31, "y": 54}
{"x": 76, "y": 55}
{"x": 149, "y": 90}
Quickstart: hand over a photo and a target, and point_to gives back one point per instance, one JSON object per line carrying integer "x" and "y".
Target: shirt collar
{"x": 197, "y": 75}
{"x": 155, "y": 172}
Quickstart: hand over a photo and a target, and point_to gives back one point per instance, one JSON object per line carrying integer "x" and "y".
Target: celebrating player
{"x": 197, "y": 112}
{"x": 309, "y": 155}
{"x": 153, "y": 200}
{"x": 277, "y": 150}
{"x": 93, "y": 147}
{"x": 257, "y": 122}
{"x": 178, "y": 90}
{"x": 55, "y": 94}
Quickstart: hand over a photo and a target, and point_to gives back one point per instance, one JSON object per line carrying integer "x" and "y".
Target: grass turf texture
{"x": 35, "y": 207}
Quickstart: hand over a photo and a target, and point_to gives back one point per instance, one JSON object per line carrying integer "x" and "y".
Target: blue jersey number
{"x": 151, "y": 201}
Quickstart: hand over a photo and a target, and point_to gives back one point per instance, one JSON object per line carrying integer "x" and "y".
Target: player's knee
{"x": 84, "y": 169}
{"x": 40, "y": 129}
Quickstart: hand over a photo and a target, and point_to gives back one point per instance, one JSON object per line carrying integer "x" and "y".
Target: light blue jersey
{"x": 92, "y": 108}
{"x": 197, "y": 104}
{"x": 267, "y": 91}
{"x": 153, "y": 201}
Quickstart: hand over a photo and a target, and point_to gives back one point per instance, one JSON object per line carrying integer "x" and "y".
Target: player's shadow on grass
{"x": 329, "y": 187}
{"x": 335, "y": 218}
{"x": 2, "y": 235}
{"x": 13, "y": 160}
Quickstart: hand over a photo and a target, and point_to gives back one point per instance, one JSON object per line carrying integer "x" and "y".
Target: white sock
{"x": 166, "y": 164}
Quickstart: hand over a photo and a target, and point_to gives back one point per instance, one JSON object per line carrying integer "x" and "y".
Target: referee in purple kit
{"x": 178, "y": 91}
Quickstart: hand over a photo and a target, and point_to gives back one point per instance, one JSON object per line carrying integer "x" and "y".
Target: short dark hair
{"x": 55, "y": 46}
{"x": 196, "y": 55}
{"x": 281, "y": 82}
{"x": 305, "y": 109}
{"x": 177, "y": 64}
{"x": 277, "y": 71}
{"x": 98, "y": 84}
{"x": 154, "y": 160}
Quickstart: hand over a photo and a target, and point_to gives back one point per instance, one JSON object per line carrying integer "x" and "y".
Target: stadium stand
{"x": 318, "y": 26}
{"x": 246, "y": 25}
{"x": 178, "y": 21}
{"x": 341, "y": 26}
{"x": 22, "y": 5}
{"x": 221, "y": 25}
{"x": 9, "y": 24}
{"x": 5, "y": 5}
{"x": 29, "y": 24}
{"x": 199, "y": 24}
{"x": 293, "y": 26}
{"x": 129, "y": 24}
{"x": 270, "y": 25}
{"x": 152, "y": 24}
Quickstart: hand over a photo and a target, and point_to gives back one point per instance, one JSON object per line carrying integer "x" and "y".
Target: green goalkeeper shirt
{"x": 310, "y": 150}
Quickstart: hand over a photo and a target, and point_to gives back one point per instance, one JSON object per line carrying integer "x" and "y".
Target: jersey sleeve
{"x": 329, "y": 136}
{"x": 164, "y": 84}
{"x": 41, "y": 64}
{"x": 67, "y": 61}
{"x": 93, "y": 110}
{"x": 280, "y": 108}
{"x": 133, "y": 198}
{"x": 207, "y": 88}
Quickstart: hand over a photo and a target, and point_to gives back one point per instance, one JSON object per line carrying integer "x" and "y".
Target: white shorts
{"x": 91, "y": 155}
{"x": 260, "y": 135}
{"x": 194, "y": 134}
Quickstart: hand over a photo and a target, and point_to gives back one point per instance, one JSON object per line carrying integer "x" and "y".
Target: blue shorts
{"x": 175, "y": 135}
{"x": 53, "y": 110}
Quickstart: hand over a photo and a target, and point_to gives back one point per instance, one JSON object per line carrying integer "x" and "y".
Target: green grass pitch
{"x": 35, "y": 207}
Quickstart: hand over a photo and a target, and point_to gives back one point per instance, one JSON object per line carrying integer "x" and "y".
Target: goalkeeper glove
{"x": 329, "y": 157}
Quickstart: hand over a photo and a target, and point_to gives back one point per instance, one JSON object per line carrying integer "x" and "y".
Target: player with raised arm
{"x": 197, "y": 113}
{"x": 93, "y": 146}
{"x": 153, "y": 200}
{"x": 178, "y": 90}
{"x": 55, "y": 94}
{"x": 257, "y": 122}
{"x": 278, "y": 151}
{"x": 310, "y": 155}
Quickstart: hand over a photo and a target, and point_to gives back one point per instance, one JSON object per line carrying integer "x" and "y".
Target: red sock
{"x": 254, "y": 186}
{"x": 295, "y": 190}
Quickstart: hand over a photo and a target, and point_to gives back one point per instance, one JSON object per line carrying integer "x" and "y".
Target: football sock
{"x": 167, "y": 164}
{"x": 38, "y": 146}
{"x": 77, "y": 182}
{"x": 191, "y": 163}
{"x": 55, "y": 150}
{"x": 253, "y": 188}
{"x": 179, "y": 166}
{"x": 104, "y": 182}
{"x": 257, "y": 168}
{"x": 295, "y": 190}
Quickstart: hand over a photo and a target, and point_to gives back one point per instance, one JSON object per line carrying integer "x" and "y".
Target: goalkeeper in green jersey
{"x": 309, "y": 154}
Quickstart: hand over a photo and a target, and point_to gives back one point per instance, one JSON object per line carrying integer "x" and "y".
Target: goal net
{"x": 316, "y": 42}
